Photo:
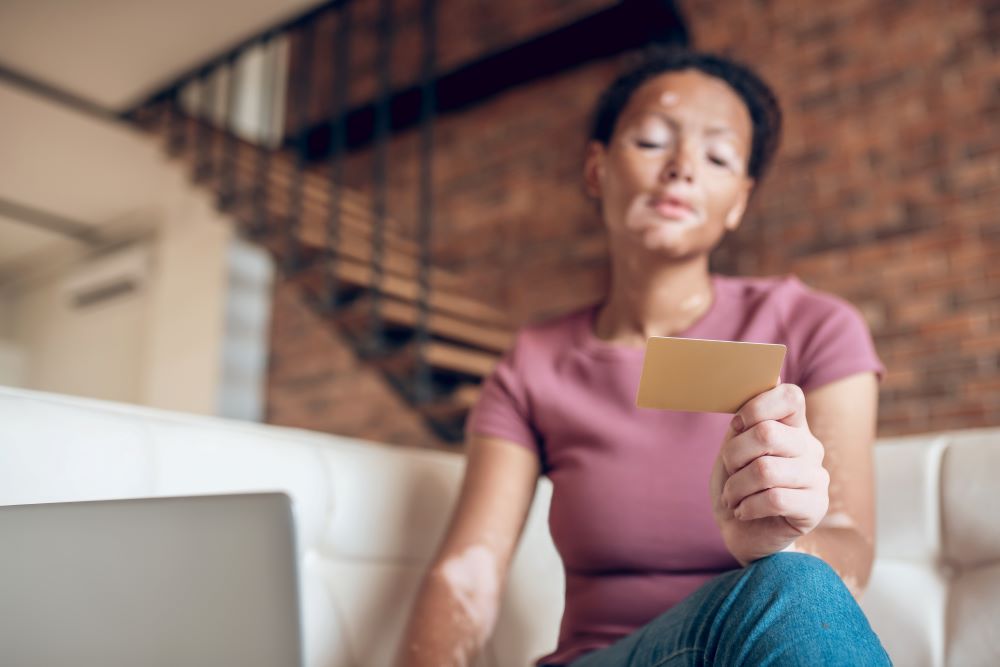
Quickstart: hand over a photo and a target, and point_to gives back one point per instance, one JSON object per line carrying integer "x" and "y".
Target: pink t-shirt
{"x": 630, "y": 514}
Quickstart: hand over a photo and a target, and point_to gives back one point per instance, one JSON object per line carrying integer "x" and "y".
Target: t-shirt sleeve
{"x": 503, "y": 409}
{"x": 833, "y": 341}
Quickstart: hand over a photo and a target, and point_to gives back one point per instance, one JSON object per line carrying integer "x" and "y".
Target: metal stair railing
{"x": 433, "y": 342}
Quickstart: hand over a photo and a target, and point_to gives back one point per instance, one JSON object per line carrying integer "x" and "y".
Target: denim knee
{"x": 790, "y": 598}
{"x": 793, "y": 570}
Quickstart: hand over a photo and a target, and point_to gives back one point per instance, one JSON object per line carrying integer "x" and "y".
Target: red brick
{"x": 889, "y": 172}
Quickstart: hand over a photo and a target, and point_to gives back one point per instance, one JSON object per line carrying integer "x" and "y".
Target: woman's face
{"x": 673, "y": 177}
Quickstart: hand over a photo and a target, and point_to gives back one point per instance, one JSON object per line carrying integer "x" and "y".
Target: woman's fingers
{"x": 769, "y": 438}
{"x": 766, "y": 472}
{"x": 802, "y": 508}
{"x": 785, "y": 403}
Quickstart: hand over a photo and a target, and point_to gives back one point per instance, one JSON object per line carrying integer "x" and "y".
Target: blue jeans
{"x": 786, "y": 609}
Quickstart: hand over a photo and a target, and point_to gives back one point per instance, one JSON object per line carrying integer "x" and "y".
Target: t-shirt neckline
{"x": 588, "y": 340}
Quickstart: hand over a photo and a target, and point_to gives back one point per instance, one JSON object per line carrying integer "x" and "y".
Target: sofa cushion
{"x": 971, "y": 495}
{"x": 389, "y": 503}
{"x": 907, "y": 481}
{"x": 370, "y": 516}
{"x": 971, "y": 539}
{"x": 56, "y": 449}
{"x": 528, "y": 625}
{"x": 208, "y": 457}
{"x": 973, "y": 636}
{"x": 905, "y": 604}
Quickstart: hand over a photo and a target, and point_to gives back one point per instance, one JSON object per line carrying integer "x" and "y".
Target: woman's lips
{"x": 673, "y": 209}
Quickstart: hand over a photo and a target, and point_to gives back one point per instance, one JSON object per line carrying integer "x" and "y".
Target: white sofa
{"x": 369, "y": 517}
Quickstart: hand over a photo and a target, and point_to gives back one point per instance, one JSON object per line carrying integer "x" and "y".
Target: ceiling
{"x": 114, "y": 53}
{"x": 111, "y": 54}
{"x": 18, "y": 239}
{"x": 62, "y": 165}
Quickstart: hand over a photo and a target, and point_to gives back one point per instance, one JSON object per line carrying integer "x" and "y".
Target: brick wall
{"x": 888, "y": 184}
{"x": 884, "y": 192}
{"x": 316, "y": 381}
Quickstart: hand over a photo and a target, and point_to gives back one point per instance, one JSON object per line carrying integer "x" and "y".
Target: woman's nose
{"x": 680, "y": 166}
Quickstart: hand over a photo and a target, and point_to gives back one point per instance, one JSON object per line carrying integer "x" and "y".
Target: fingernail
{"x": 737, "y": 424}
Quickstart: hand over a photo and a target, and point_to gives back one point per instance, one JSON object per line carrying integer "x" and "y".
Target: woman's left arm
{"x": 795, "y": 472}
{"x": 843, "y": 415}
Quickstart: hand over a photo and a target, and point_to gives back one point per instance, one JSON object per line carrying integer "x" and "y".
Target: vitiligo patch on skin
{"x": 838, "y": 520}
{"x": 798, "y": 549}
{"x": 657, "y": 232}
{"x": 694, "y": 302}
{"x": 669, "y": 99}
{"x": 852, "y": 585}
{"x": 472, "y": 578}
{"x": 850, "y": 581}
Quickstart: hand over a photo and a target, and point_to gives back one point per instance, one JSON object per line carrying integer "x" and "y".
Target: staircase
{"x": 379, "y": 312}
{"x": 373, "y": 280}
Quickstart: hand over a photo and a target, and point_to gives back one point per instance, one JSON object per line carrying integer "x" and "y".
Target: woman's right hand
{"x": 769, "y": 486}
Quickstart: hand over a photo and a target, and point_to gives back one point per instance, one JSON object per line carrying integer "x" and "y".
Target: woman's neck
{"x": 647, "y": 299}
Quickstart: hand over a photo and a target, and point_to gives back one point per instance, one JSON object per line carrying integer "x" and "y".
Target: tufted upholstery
{"x": 369, "y": 517}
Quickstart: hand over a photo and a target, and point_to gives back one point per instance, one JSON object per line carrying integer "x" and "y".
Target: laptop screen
{"x": 201, "y": 580}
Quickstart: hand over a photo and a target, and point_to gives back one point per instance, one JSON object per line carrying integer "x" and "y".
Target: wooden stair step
{"x": 312, "y": 232}
{"x": 316, "y": 184}
{"x": 398, "y": 286}
{"x": 397, "y": 312}
{"x": 281, "y": 168}
{"x": 400, "y": 255}
{"x": 454, "y": 406}
{"x": 450, "y": 313}
{"x": 445, "y": 357}
{"x": 445, "y": 326}
{"x": 450, "y": 305}
{"x": 316, "y": 197}
{"x": 350, "y": 243}
{"x": 461, "y": 359}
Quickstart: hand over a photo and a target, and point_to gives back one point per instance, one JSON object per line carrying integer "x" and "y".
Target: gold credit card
{"x": 697, "y": 375}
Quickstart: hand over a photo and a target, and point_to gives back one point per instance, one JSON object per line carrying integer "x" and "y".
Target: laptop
{"x": 154, "y": 582}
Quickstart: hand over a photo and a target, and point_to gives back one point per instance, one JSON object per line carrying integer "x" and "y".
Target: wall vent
{"x": 108, "y": 277}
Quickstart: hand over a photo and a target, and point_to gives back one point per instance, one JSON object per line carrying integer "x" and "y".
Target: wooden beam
{"x": 489, "y": 338}
{"x": 463, "y": 360}
{"x": 400, "y": 254}
{"x": 484, "y": 336}
{"x": 454, "y": 406}
{"x": 349, "y": 269}
{"x": 312, "y": 232}
{"x": 618, "y": 28}
{"x": 456, "y": 306}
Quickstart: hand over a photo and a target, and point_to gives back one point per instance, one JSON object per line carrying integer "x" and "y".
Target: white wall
{"x": 11, "y": 356}
{"x": 11, "y": 364}
{"x": 94, "y": 171}
{"x": 159, "y": 345}
{"x": 93, "y": 350}
{"x": 186, "y": 309}
{"x": 116, "y": 53}
{"x": 6, "y": 306}
{"x": 162, "y": 345}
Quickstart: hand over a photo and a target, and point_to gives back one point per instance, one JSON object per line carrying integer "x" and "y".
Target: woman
{"x": 687, "y": 538}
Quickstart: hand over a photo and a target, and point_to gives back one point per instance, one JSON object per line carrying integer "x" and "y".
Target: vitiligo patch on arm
{"x": 695, "y": 375}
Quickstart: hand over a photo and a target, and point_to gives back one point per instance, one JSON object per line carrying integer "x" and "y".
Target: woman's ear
{"x": 735, "y": 215}
{"x": 593, "y": 169}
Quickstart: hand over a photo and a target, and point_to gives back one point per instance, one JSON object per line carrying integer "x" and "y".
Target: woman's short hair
{"x": 765, "y": 113}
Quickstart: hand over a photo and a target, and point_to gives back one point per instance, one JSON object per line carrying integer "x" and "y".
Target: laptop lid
{"x": 201, "y": 580}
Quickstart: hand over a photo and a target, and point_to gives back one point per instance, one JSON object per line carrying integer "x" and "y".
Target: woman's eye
{"x": 722, "y": 162}
{"x": 641, "y": 143}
